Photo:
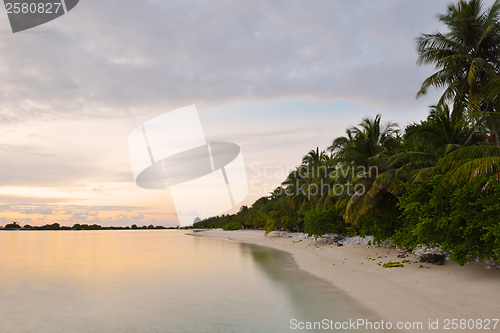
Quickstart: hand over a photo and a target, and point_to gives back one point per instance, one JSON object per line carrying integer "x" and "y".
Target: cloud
{"x": 37, "y": 210}
{"x": 31, "y": 150}
{"x": 123, "y": 220}
{"x": 22, "y": 221}
{"x": 64, "y": 209}
{"x": 159, "y": 54}
{"x": 33, "y": 200}
{"x": 193, "y": 212}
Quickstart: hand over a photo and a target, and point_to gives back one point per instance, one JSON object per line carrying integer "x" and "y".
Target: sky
{"x": 278, "y": 78}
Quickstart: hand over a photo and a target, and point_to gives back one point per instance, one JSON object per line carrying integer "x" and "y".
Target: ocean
{"x": 146, "y": 281}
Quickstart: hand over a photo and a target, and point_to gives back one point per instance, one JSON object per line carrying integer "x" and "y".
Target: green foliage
{"x": 280, "y": 214}
{"x": 320, "y": 222}
{"x": 268, "y": 213}
{"x": 232, "y": 226}
{"x": 460, "y": 218}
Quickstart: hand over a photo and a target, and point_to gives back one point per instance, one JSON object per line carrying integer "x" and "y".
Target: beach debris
{"x": 490, "y": 262}
{"x": 432, "y": 258}
{"x": 334, "y": 239}
{"x": 342, "y": 240}
{"x": 405, "y": 252}
{"x": 421, "y": 250}
{"x": 285, "y": 234}
{"x": 433, "y": 255}
{"x": 392, "y": 264}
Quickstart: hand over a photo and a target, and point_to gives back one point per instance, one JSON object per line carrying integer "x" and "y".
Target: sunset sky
{"x": 276, "y": 77}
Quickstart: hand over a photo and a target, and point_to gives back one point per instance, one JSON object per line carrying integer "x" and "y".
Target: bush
{"x": 232, "y": 226}
{"x": 381, "y": 222}
{"x": 322, "y": 222}
{"x": 462, "y": 219}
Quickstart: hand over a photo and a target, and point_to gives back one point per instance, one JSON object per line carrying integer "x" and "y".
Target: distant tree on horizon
{"x": 13, "y": 225}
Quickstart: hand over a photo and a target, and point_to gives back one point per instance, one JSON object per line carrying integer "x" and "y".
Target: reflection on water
{"x": 154, "y": 281}
{"x": 312, "y": 299}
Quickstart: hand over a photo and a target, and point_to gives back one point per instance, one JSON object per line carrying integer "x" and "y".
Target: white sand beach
{"x": 406, "y": 294}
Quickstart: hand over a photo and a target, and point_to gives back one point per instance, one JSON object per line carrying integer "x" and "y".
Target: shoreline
{"x": 405, "y": 294}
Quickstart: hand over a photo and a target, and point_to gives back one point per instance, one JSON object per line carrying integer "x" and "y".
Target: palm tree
{"x": 363, "y": 142}
{"x": 315, "y": 157}
{"x": 432, "y": 139}
{"x": 304, "y": 184}
{"x": 295, "y": 187}
{"x": 467, "y": 59}
{"x": 441, "y": 133}
{"x": 364, "y": 149}
{"x": 470, "y": 162}
{"x": 278, "y": 213}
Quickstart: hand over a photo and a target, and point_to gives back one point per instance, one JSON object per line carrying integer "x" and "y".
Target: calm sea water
{"x": 145, "y": 281}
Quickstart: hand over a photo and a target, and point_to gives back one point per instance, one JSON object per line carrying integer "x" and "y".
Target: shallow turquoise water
{"x": 156, "y": 281}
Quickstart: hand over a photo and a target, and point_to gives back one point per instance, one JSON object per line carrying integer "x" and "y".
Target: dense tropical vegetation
{"x": 434, "y": 183}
